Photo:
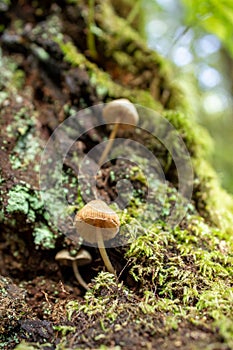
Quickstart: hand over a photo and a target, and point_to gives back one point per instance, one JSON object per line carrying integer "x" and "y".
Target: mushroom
{"x": 83, "y": 257}
{"x": 122, "y": 113}
{"x": 96, "y": 222}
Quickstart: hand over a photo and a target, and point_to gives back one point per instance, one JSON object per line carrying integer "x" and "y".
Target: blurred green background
{"x": 197, "y": 37}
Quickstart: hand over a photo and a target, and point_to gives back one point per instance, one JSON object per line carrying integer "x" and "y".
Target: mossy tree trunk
{"x": 175, "y": 287}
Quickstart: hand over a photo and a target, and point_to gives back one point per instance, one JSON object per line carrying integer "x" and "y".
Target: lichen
{"x": 22, "y": 199}
{"x": 25, "y": 152}
{"x": 44, "y": 237}
{"x": 12, "y": 78}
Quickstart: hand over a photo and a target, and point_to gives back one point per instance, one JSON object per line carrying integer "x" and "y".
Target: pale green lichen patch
{"x": 13, "y": 308}
{"x": 11, "y": 78}
{"x": 24, "y": 200}
{"x": 44, "y": 237}
{"x": 25, "y": 152}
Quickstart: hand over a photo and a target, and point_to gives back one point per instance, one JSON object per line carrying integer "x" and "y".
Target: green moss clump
{"x": 110, "y": 307}
{"x": 136, "y": 174}
{"x": 22, "y": 122}
{"x": 102, "y": 81}
{"x": 29, "y": 346}
{"x": 12, "y": 78}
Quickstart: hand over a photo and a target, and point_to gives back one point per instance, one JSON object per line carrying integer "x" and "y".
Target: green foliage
{"x": 64, "y": 330}
{"x": 214, "y": 16}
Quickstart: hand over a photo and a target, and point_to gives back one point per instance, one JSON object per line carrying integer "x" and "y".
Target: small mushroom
{"x": 83, "y": 257}
{"x": 122, "y": 113}
{"x": 96, "y": 222}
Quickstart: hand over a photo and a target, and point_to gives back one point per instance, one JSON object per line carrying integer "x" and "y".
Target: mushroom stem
{"x": 103, "y": 252}
{"x": 78, "y": 276}
{"x": 110, "y": 143}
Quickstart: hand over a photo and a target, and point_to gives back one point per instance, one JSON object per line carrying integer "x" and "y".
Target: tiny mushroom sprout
{"x": 96, "y": 222}
{"x": 83, "y": 257}
{"x": 123, "y": 114}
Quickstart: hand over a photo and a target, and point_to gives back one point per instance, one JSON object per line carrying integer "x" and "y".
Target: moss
{"x": 199, "y": 244}
{"x": 64, "y": 330}
{"x": 196, "y": 138}
{"x": 25, "y": 152}
{"x": 122, "y": 34}
{"x": 225, "y": 327}
{"x": 104, "y": 304}
{"x": 217, "y": 202}
{"x": 32, "y": 346}
{"x": 24, "y": 200}
{"x": 157, "y": 316}
{"x": 183, "y": 274}
{"x": 102, "y": 81}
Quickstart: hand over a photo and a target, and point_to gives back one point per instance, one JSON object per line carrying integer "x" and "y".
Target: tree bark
{"x": 58, "y": 58}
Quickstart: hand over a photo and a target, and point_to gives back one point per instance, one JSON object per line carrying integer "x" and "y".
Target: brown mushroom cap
{"x": 123, "y": 111}
{"x": 94, "y": 217}
{"x": 83, "y": 257}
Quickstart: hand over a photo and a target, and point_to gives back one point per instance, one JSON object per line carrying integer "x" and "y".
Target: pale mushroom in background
{"x": 83, "y": 257}
{"x": 122, "y": 113}
{"x": 96, "y": 222}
